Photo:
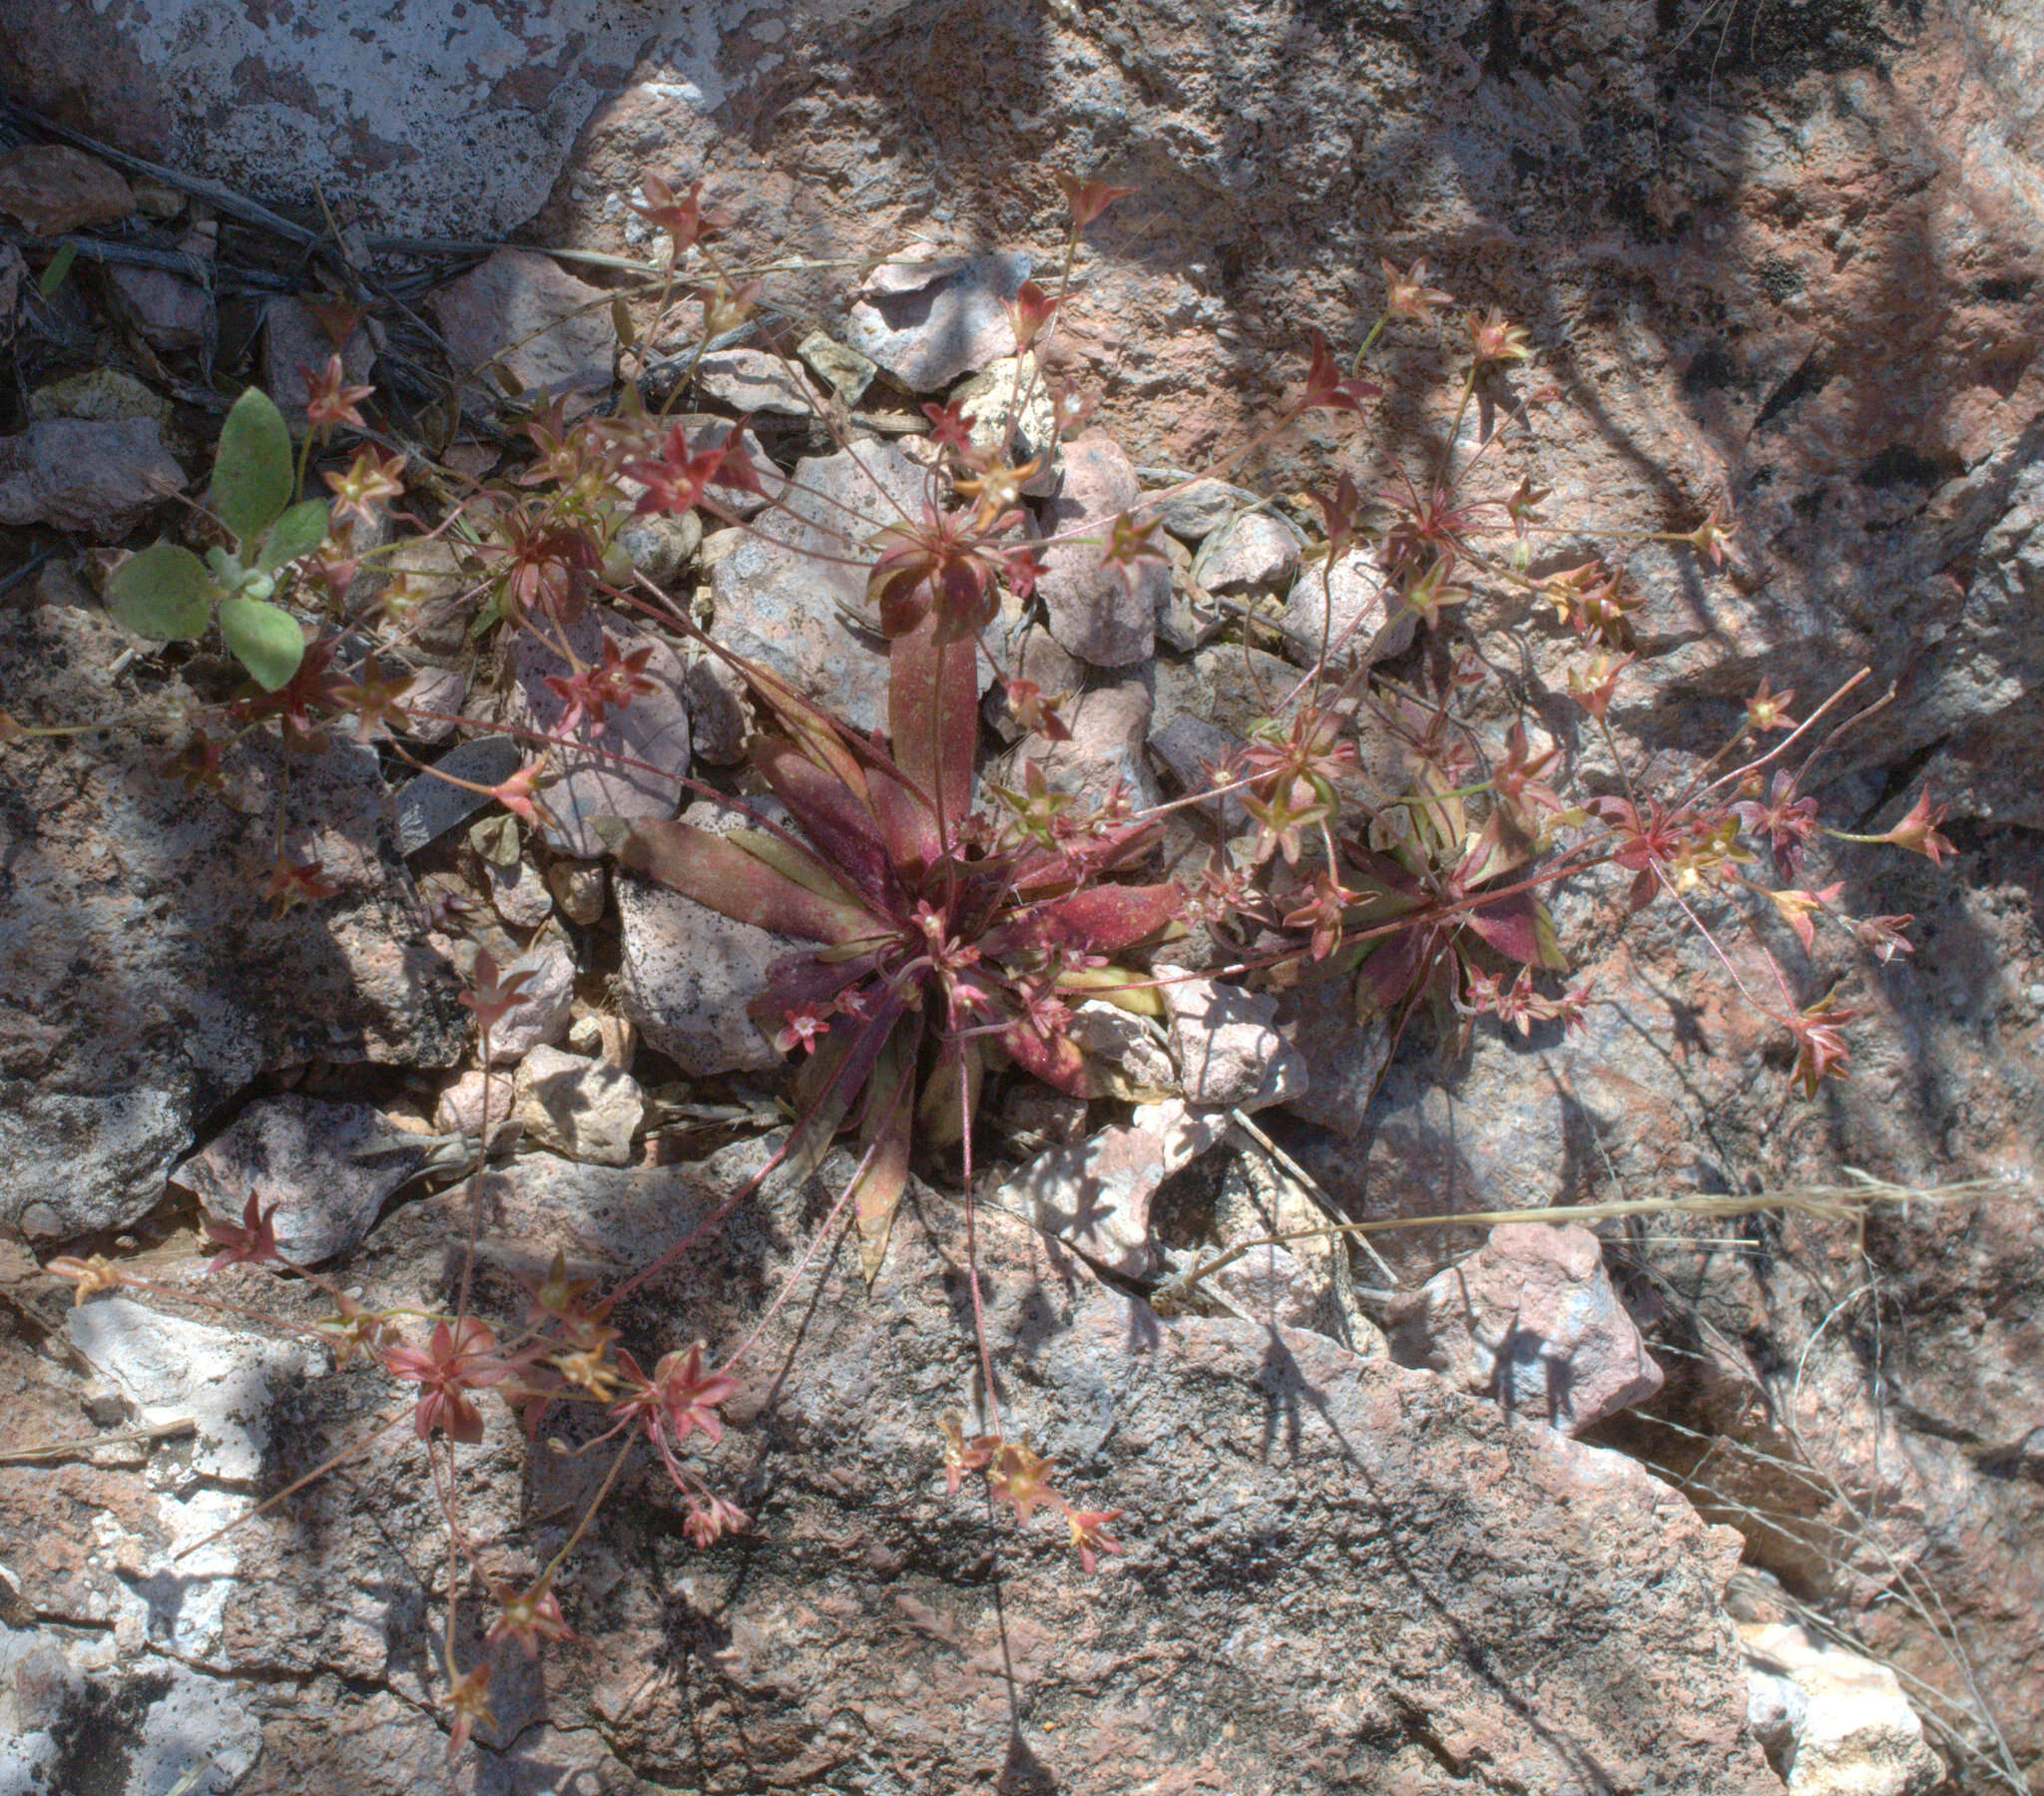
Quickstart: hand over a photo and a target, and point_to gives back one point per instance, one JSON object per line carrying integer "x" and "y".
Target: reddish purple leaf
{"x": 933, "y": 713}
{"x": 1053, "y": 1060}
{"x": 833, "y": 816}
{"x": 720, "y": 874}
{"x": 1104, "y": 919}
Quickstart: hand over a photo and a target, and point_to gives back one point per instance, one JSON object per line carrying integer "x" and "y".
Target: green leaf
{"x": 298, "y": 532}
{"x": 251, "y": 474}
{"x": 264, "y": 638}
{"x": 164, "y": 592}
{"x": 59, "y": 267}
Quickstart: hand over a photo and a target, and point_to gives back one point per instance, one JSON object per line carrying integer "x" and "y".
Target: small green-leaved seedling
{"x": 168, "y": 595}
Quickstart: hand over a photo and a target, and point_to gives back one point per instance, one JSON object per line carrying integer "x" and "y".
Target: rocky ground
{"x": 1682, "y": 1504}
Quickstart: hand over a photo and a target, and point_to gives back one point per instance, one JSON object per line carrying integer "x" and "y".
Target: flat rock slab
{"x": 1531, "y": 1319}
{"x": 784, "y": 593}
{"x": 1334, "y": 1566}
{"x": 143, "y": 978}
{"x": 327, "y": 1167}
{"x": 529, "y": 314}
{"x": 635, "y": 768}
{"x": 929, "y": 322}
{"x": 92, "y": 475}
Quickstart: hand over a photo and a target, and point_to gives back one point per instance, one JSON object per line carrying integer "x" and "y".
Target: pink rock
{"x": 460, "y": 1109}
{"x": 53, "y": 188}
{"x": 652, "y": 733}
{"x": 1096, "y": 1193}
{"x": 927, "y": 323}
{"x": 1099, "y": 614}
{"x": 1532, "y": 1319}
{"x": 1227, "y": 1047}
{"x": 171, "y": 312}
{"x": 552, "y": 331}
{"x": 1253, "y": 551}
{"x": 95, "y": 475}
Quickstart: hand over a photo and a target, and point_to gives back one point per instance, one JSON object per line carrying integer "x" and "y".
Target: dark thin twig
{"x": 225, "y": 199}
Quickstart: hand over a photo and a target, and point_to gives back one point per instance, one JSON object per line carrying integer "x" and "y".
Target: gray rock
{"x": 687, "y": 973}
{"x": 199, "y": 1738}
{"x": 581, "y": 1107}
{"x": 428, "y": 806}
{"x": 1227, "y": 1047}
{"x": 143, "y": 979}
{"x": 781, "y": 602}
{"x": 94, "y": 476}
{"x": 1345, "y": 1057}
{"x": 1192, "y": 749}
{"x": 635, "y": 768}
{"x": 1198, "y": 510}
{"x": 443, "y": 123}
{"x": 1361, "y": 628}
{"x": 930, "y": 322}
{"x": 719, "y": 720}
{"x": 552, "y": 331}
{"x": 226, "y": 1380}
{"x": 326, "y": 1166}
{"x": 519, "y": 893}
{"x": 293, "y": 341}
{"x": 1532, "y": 1320}
{"x": 171, "y": 312}
{"x": 1096, "y": 1193}
{"x": 1133, "y": 1056}
{"x": 545, "y": 1005}
{"x": 580, "y": 889}
{"x": 661, "y": 543}
{"x": 846, "y": 372}
{"x": 1108, "y": 724}
{"x": 1097, "y": 613}
{"x": 1254, "y": 550}
{"x": 752, "y": 380}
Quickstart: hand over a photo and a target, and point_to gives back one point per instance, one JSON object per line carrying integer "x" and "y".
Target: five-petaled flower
{"x": 1917, "y": 833}
{"x": 329, "y": 400}
{"x": 1020, "y": 1478}
{"x": 680, "y": 1397}
{"x": 529, "y": 1616}
{"x": 1768, "y": 710}
{"x": 453, "y": 1362}
{"x": 292, "y": 883}
{"x": 1090, "y": 1536}
{"x": 248, "y": 1243}
{"x": 1408, "y": 296}
{"x": 368, "y": 481}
